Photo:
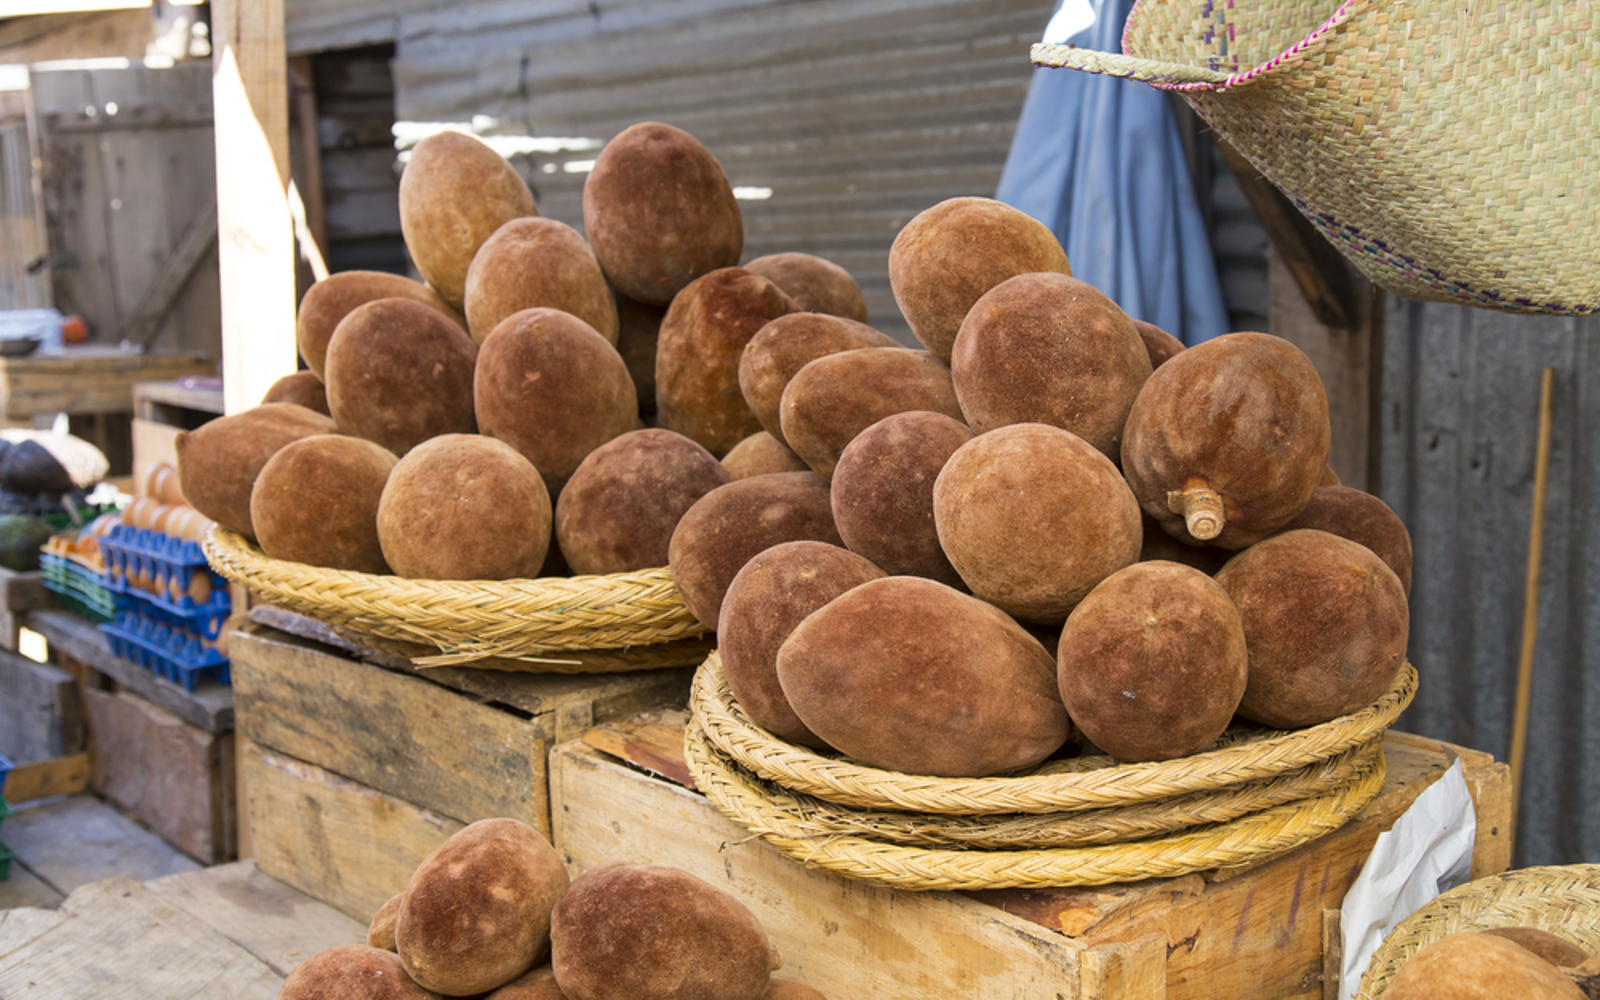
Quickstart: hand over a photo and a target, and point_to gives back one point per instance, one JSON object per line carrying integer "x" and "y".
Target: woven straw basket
{"x": 1450, "y": 149}
{"x": 1563, "y": 900}
{"x": 1089, "y": 821}
{"x": 468, "y": 621}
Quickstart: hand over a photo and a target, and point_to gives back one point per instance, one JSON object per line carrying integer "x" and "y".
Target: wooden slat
{"x": 41, "y": 715}
{"x": 197, "y": 240}
{"x": 117, "y": 937}
{"x": 333, "y": 839}
{"x": 47, "y": 778}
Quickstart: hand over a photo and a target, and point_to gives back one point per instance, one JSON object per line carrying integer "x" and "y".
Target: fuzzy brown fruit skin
{"x": 1325, "y": 622}
{"x": 551, "y": 387}
{"x": 1152, "y": 663}
{"x": 477, "y": 912}
{"x": 1033, "y": 518}
{"x": 761, "y": 454}
{"x": 1049, "y": 349}
{"x": 910, "y": 675}
{"x": 1468, "y": 966}
{"x": 1160, "y": 344}
{"x": 731, "y": 524}
{"x": 482, "y": 495}
{"x": 534, "y": 263}
{"x": 399, "y": 373}
{"x": 316, "y": 502}
{"x": 702, "y": 340}
{"x": 380, "y": 933}
{"x": 455, "y": 192}
{"x": 352, "y": 972}
{"x": 815, "y": 283}
{"x": 947, "y": 257}
{"x": 787, "y": 344}
{"x": 330, "y": 300}
{"x": 1363, "y": 518}
{"x": 785, "y": 989}
{"x": 660, "y": 212}
{"x": 1160, "y": 546}
{"x": 301, "y": 388}
{"x": 1243, "y": 416}
{"x": 218, "y": 462}
{"x": 882, "y": 493}
{"x": 638, "y": 329}
{"x": 535, "y": 984}
{"x": 1553, "y": 948}
{"x": 618, "y": 511}
{"x": 772, "y": 594}
{"x": 625, "y": 932}
{"x": 837, "y": 396}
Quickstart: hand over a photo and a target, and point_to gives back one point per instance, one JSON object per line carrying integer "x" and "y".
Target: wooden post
{"x": 255, "y": 233}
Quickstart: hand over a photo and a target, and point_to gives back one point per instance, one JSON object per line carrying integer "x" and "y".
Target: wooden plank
{"x": 87, "y": 379}
{"x": 333, "y": 839}
{"x": 278, "y": 924}
{"x": 307, "y": 159}
{"x": 42, "y": 712}
{"x": 840, "y": 937}
{"x": 181, "y": 394}
{"x": 209, "y": 706}
{"x": 47, "y": 778}
{"x": 410, "y": 738}
{"x": 256, "y": 251}
{"x": 197, "y": 241}
{"x": 1253, "y": 930}
{"x": 106, "y": 941}
{"x": 23, "y": 888}
{"x": 74, "y": 841}
{"x": 653, "y": 741}
{"x": 167, "y": 773}
{"x": 24, "y": 591}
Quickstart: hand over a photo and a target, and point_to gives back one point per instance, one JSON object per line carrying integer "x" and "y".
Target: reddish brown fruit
{"x": 947, "y": 257}
{"x": 761, "y": 454}
{"x": 1468, "y": 966}
{"x": 1152, "y": 662}
{"x": 1049, "y": 349}
{"x": 532, "y": 263}
{"x": 638, "y": 327}
{"x": 774, "y": 592}
{"x": 814, "y": 283}
{"x": 1226, "y": 441}
{"x": 883, "y": 493}
{"x": 352, "y": 972}
{"x": 910, "y": 675}
{"x": 787, "y": 344}
{"x": 1325, "y": 622}
{"x": 837, "y": 396}
{"x": 218, "y": 462}
{"x": 1160, "y": 344}
{"x": 697, "y": 355}
{"x": 301, "y": 388}
{"x": 1553, "y": 948}
{"x": 316, "y": 502}
{"x": 332, "y": 299}
{"x": 732, "y": 523}
{"x": 660, "y": 212}
{"x": 399, "y": 373}
{"x": 1033, "y": 518}
{"x": 1360, "y": 517}
{"x": 380, "y": 933}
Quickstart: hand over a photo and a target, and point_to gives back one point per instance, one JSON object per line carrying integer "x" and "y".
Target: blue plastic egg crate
{"x": 167, "y": 631}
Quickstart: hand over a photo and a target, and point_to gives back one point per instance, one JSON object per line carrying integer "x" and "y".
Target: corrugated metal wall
{"x": 1459, "y": 426}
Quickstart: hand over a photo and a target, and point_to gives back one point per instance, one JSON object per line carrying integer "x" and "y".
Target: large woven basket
{"x": 1084, "y": 822}
{"x": 1451, "y": 150}
{"x": 468, "y": 621}
{"x": 1564, "y": 900}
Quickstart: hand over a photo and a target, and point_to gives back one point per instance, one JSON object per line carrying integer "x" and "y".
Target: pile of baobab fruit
{"x": 492, "y": 913}
{"x": 1050, "y": 520}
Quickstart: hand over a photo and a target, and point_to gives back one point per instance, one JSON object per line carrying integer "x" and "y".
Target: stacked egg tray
{"x": 170, "y": 607}
{"x": 79, "y": 586}
{"x": 6, "y": 854}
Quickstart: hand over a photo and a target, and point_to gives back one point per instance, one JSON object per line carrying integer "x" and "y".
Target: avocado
{"x": 29, "y": 467}
{"x": 21, "y": 535}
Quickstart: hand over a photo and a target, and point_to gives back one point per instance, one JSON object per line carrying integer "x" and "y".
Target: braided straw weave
{"x": 781, "y": 821}
{"x": 1056, "y": 787}
{"x": 1564, "y": 900}
{"x": 1451, "y": 150}
{"x": 468, "y": 620}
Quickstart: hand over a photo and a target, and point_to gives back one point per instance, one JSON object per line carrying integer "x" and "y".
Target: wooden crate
{"x": 176, "y": 778}
{"x": 1257, "y": 931}
{"x": 401, "y": 753}
{"x": 91, "y": 378}
{"x": 41, "y": 715}
{"x": 19, "y": 594}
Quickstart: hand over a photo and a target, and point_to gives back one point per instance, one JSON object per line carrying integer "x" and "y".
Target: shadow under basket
{"x": 540, "y": 626}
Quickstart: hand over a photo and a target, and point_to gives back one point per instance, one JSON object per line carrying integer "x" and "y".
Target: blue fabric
{"x": 1099, "y": 161}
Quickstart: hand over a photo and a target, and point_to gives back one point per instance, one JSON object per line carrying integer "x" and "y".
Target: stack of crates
{"x": 170, "y": 606}
{"x": 77, "y": 579}
{"x": 6, "y": 854}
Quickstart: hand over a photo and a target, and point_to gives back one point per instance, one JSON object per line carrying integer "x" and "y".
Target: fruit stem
{"x": 1201, "y": 508}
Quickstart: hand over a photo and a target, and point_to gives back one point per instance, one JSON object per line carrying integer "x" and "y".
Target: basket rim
{"x": 1493, "y": 901}
{"x": 1247, "y": 839}
{"x": 1068, "y": 788}
{"x": 467, "y": 619}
